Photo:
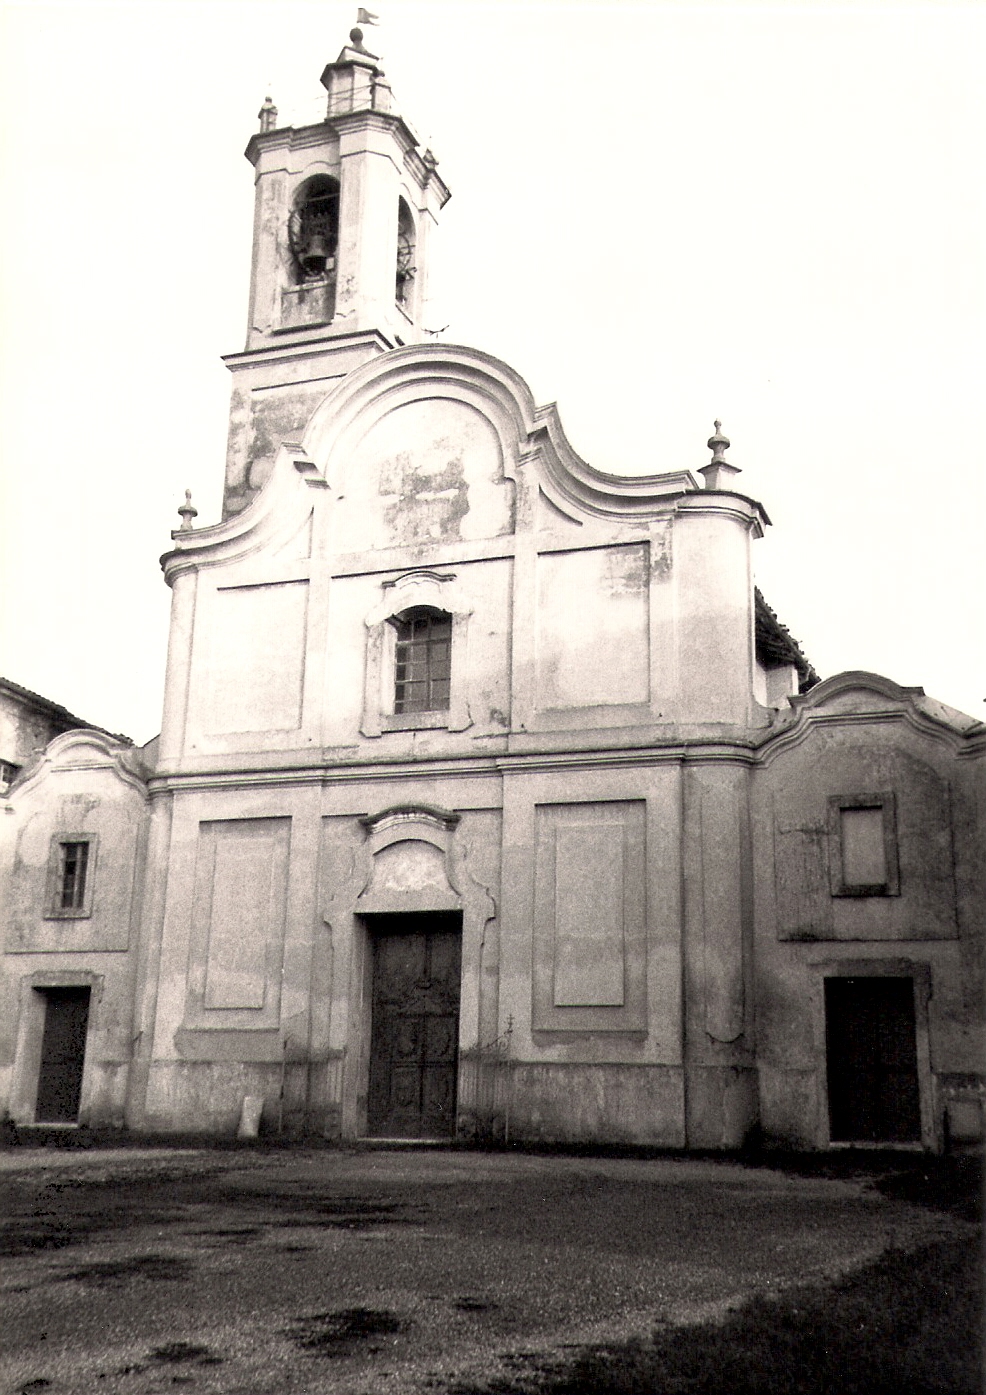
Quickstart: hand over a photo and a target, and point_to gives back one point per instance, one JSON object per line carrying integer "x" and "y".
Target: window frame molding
{"x": 54, "y": 910}
{"x": 886, "y": 802}
{"x": 435, "y": 591}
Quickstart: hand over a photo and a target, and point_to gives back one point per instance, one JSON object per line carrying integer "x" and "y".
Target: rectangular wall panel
{"x": 590, "y": 918}
{"x": 864, "y": 860}
{"x": 593, "y": 645}
{"x": 238, "y": 919}
{"x": 255, "y": 666}
{"x": 589, "y": 946}
{"x": 236, "y": 964}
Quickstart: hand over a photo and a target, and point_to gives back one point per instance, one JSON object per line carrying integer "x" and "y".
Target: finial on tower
{"x": 718, "y": 473}
{"x": 188, "y": 511}
{"x": 267, "y": 115}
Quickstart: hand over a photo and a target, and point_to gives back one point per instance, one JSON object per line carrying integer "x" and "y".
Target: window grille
{"x": 422, "y": 661}
{"x": 73, "y": 867}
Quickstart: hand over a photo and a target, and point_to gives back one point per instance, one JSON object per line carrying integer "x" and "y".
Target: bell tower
{"x": 343, "y": 221}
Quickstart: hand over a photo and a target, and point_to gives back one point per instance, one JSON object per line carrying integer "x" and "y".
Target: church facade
{"x": 491, "y": 799}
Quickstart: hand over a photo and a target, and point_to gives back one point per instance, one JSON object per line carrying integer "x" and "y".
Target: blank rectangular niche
{"x": 863, "y": 845}
{"x": 589, "y": 918}
{"x": 593, "y": 627}
{"x": 238, "y": 917}
{"x": 256, "y": 666}
{"x": 589, "y": 945}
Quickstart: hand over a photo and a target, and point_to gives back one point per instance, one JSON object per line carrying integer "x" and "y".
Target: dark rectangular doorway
{"x": 63, "y": 1051}
{"x": 871, "y": 1056}
{"x": 414, "y": 1035}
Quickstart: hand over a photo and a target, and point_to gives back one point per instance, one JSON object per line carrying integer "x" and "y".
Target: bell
{"x": 315, "y": 255}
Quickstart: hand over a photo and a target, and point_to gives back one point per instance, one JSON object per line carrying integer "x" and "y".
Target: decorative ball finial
{"x": 356, "y": 37}
{"x": 188, "y": 511}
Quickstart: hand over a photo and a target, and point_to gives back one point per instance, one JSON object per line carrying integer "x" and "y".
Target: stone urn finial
{"x": 267, "y": 115}
{"x": 188, "y": 511}
{"x": 718, "y": 474}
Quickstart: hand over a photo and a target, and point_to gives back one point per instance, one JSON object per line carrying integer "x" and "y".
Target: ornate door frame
{"x": 412, "y": 859}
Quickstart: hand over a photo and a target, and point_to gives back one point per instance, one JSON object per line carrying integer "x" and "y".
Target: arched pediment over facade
{"x": 425, "y": 444}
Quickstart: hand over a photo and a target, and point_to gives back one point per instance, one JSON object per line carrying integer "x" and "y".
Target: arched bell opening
{"x": 406, "y": 248}
{"x": 313, "y": 230}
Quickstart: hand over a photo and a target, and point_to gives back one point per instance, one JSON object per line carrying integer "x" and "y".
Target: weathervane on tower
{"x": 356, "y": 35}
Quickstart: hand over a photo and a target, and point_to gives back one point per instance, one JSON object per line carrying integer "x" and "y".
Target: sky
{"x": 662, "y": 213}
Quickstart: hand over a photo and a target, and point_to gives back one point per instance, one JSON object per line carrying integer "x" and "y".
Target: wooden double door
{"x": 414, "y": 1032}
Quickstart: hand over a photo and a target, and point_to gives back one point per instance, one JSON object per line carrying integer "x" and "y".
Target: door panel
{"x": 415, "y": 1025}
{"x": 871, "y": 1056}
{"x": 63, "y": 1049}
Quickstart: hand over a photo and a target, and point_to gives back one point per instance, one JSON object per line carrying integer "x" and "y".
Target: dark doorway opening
{"x": 871, "y": 1056}
{"x": 414, "y": 1033}
{"x": 63, "y": 1051}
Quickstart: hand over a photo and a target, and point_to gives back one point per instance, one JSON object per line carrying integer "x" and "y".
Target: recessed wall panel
{"x": 592, "y": 627}
{"x": 238, "y": 919}
{"x": 589, "y": 946}
{"x": 864, "y": 859}
{"x": 255, "y": 667}
{"x": 589, "y": 914}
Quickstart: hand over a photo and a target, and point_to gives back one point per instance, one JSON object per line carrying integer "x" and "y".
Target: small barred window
{"x": 72, "y": 879}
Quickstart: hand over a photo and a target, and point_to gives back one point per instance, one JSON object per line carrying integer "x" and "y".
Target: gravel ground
{"x": 410, "y": 1271}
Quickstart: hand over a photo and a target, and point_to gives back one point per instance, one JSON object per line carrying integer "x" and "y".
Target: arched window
{"x": 422, "y": 660}
{"x": 405, "y": 253}
{"x": 313, "y": 229}
{"x": 417, "y": 656}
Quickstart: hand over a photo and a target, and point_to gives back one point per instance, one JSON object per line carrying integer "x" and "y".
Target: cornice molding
{"x": 596, "y": 492}
{"x": 330, "y": 128}
{"x": 83, "y": 749}
{"x": 530, "y": 435}
{"x": 746, "y": 511}
{"x": 272, "y": 517}
{"x": 465, "y": 766}
{"x": 315, "y": 345}
{"x": 889, "y": 703}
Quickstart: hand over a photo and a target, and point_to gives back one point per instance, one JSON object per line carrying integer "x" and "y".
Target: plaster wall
{"x": 305, "y": 1007}
{"x": 714, "y": 609}
{"x": 288, "y": 994}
